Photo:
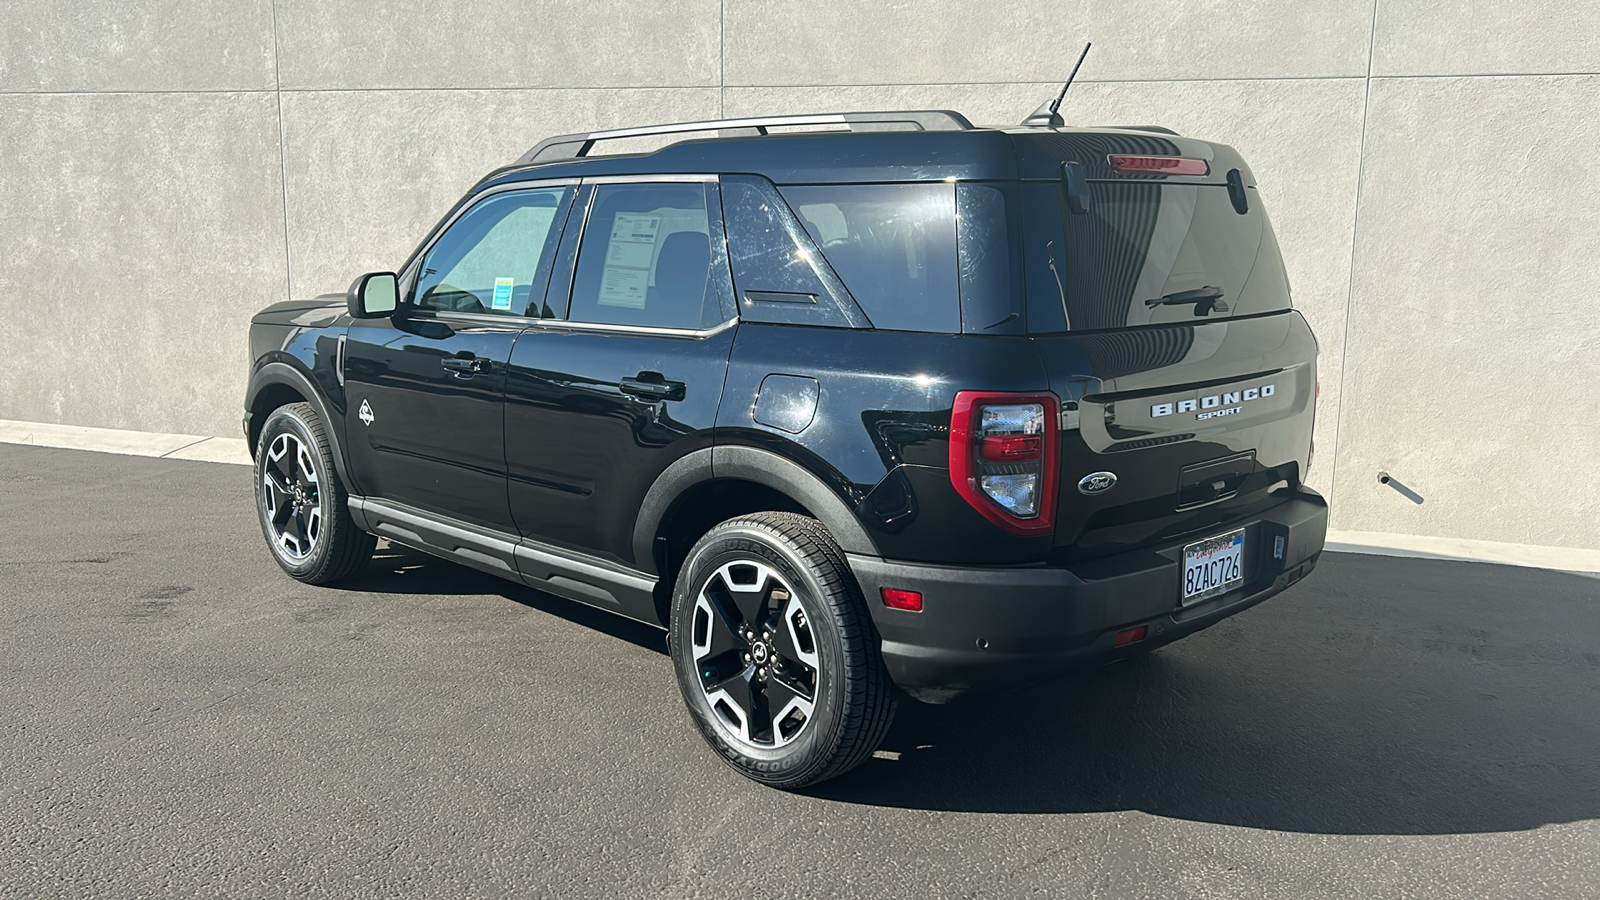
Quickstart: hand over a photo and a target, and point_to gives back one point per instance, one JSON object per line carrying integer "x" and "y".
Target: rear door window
{"x": 646, "y": 258}
{"x": 1147, "y": 253}
{"x": 893, "y": 245}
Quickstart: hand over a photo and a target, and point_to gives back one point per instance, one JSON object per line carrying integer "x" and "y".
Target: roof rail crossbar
{"x": 574, "y": 146}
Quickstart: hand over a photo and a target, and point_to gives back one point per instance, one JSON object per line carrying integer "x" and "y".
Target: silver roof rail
{"x": 574, "y": 146}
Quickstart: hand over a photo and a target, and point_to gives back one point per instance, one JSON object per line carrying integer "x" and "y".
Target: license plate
{"x": 1213, "y": 566}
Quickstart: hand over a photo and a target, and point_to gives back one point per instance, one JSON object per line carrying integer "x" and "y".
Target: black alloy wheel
{"x": 291, "y": 496}
{"x": 301, "y": 503}
{"x": 755, "y": 654}
{"x": 775, "y": 651}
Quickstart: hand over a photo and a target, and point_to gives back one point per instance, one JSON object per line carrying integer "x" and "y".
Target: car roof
{"x": 956, "y": 152}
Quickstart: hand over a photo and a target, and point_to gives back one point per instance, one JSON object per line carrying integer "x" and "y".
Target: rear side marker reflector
{"x": 898, "y": 599}
{"x": 1131, "y": 636}
{"x": 1158, "y": 165}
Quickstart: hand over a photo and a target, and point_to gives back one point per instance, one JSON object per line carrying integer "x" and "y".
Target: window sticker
{"x": 502, "y": 293}
{"x": 626, "y": 278}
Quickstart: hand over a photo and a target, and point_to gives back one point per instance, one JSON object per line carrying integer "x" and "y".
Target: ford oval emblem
{"x": 1097, "y": 483}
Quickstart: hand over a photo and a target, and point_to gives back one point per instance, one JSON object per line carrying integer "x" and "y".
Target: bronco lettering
{"x": 1212, "y": 402}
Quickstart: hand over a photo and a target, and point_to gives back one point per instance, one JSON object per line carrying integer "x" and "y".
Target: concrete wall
{"x": 169, "y": 166}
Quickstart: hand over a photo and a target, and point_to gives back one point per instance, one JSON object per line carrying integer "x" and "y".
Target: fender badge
{"x": 1097, "y": 483}
{"x": 365, "y": 415}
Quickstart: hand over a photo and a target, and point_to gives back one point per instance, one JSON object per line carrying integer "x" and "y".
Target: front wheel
{"x": 775, "y": 651}
{"x": 301, "y": 502}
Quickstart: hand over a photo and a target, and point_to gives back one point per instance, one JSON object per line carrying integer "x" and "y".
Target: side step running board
{"x": 585, "y": 579}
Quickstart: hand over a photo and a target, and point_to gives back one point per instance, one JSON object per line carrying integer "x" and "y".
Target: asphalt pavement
{"x": 179, "y": 718}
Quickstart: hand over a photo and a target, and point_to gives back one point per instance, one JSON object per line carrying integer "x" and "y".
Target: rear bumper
{"x": 986, "y": 628}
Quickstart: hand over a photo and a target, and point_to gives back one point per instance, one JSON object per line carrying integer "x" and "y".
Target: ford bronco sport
{"x": 904, "y": 405}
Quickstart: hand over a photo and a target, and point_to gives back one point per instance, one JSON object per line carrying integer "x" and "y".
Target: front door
{"x": 627, "y": 379}
{"x": 425, "y": 388}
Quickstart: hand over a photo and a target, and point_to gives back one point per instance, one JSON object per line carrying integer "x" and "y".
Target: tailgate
{"x": 1160, "y": 309}
{"x": 1199, "y": 424}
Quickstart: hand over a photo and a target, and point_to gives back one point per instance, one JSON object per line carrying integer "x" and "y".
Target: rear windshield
{"x": 893, "y": 245}
{"x": 1147, "y": 253}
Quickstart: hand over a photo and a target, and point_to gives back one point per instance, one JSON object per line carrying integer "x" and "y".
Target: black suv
{"x": 900, "y": 403}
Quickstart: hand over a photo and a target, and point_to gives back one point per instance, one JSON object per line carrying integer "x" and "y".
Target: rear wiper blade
{"x": 1205, "y": 299}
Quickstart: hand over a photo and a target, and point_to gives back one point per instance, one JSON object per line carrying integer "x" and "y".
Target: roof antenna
{"x": 1046, "y": 114}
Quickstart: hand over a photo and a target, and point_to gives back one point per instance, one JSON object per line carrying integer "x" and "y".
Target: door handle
{"x": 465, "y": 365}
{"x": 651, "y": 386}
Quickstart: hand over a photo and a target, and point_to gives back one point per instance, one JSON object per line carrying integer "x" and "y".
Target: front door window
{"x": 491, "y": 257}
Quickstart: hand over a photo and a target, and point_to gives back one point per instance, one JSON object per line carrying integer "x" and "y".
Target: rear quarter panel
{"x": 880, "y": 435}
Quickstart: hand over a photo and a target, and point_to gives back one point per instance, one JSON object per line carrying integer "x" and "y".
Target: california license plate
{"x": 1213, "y": 566}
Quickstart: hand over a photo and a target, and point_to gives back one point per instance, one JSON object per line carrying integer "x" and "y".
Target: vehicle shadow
{"x": 397, "y": 569}
{"x": 1382, "y": 696}
{"x": 1386, "y": 696}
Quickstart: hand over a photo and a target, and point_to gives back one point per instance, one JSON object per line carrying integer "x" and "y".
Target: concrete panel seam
{"x": 135, "y": 93}
{"x": 722, "y": 59}
{"x": 1080, "y": 80}
{"x": 1355, "y": 228}
{"x": 501, "y": 89}
{"x": 724, "y": 87}
{"x": 676, "y": 87}
{"x": 384, "y": 90}
{"x": 1483, "y": 76}
{"x": 283, "y": 163}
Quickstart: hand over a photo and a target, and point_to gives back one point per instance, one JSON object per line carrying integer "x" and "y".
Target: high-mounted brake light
{"x": 1004, "y": 457}
{"x": 1157, "y": 165}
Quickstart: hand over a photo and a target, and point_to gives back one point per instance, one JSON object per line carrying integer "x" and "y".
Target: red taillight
{"x": 1158, "y": 165}
{"x": 1132, "y": 635}
{"x": 1011, "y": 448}
{"x": 1004, "y": 457}
{"x": 898, "y": 599}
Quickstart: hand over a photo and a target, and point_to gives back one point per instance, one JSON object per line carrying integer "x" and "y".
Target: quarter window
{"x": 893, "y": 245}
{"x": 492, "y": 256}
{"x": 777, "y": 270}
{"x": 645, "y": 258}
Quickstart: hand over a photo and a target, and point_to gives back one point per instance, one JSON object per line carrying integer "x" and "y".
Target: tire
{"x": 781, "y": 579}
{"x": 302, "y": 504}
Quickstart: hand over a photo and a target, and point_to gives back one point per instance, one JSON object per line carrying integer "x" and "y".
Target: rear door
{"x": 626, "y": 378}
{"x": 1162, "y": 315}
{"x": 425, "y": 415}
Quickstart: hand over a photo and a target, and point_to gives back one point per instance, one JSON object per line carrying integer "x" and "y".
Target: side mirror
{"x": 374, "y": 295}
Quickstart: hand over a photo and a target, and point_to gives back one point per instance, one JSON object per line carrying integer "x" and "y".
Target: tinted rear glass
{"x": 1143, "y": 243}
{"x": 893, "y": 245}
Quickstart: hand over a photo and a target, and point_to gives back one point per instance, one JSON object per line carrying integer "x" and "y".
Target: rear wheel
{"x": 775, "y": 651}
{"x": 302, "y": 504}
